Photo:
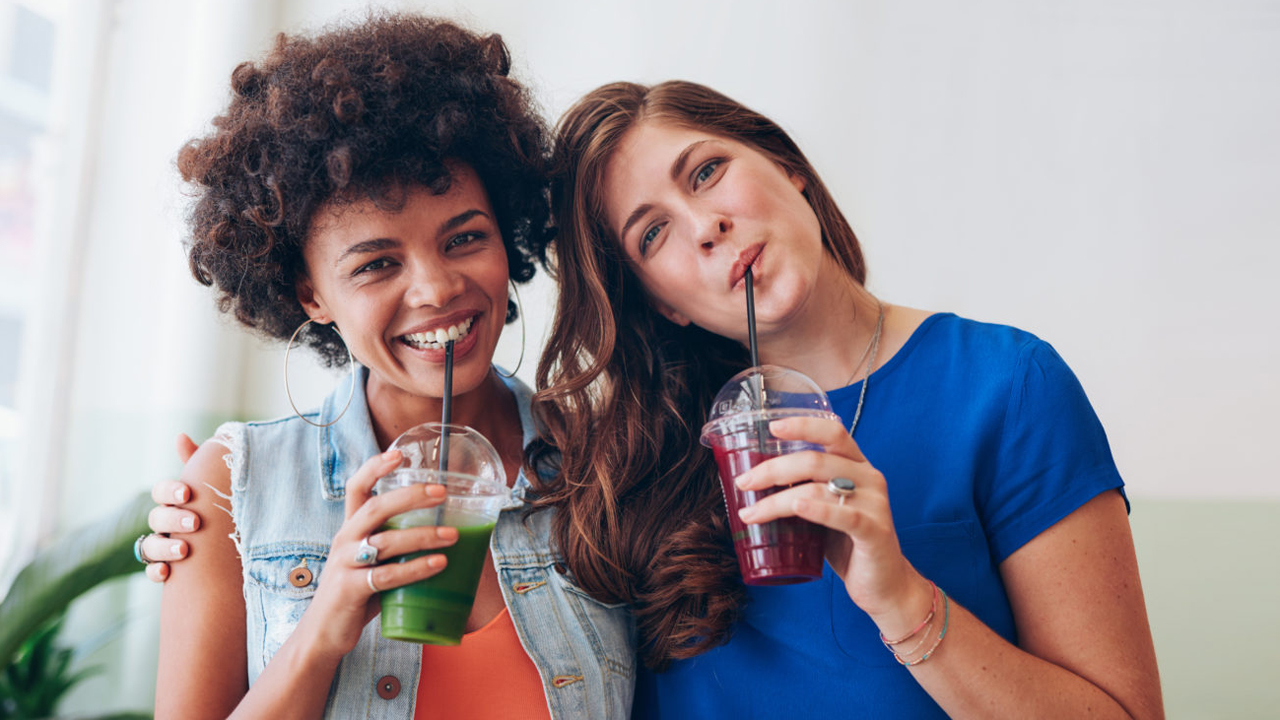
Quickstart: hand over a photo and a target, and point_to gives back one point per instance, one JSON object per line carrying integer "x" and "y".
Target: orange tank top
{"x": 489, "y": 675}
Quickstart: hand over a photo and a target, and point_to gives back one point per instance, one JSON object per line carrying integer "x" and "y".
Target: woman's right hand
{"x": 347, "y": 598}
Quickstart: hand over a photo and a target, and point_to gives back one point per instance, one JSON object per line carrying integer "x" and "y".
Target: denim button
{"x": 388, "y": 687}
{"x": 300, "y": 576}
{"x": 560, "y": 568}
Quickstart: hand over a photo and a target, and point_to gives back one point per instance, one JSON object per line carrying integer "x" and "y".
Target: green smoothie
{"x": 435, "y": 610}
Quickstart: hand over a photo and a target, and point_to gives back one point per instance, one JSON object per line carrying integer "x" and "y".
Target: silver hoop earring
{"x": 350, "y": 361}
{"x": 520, "y": 313}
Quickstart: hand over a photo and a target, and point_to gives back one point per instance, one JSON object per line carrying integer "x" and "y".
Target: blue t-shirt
{"x": 986, "y": 439}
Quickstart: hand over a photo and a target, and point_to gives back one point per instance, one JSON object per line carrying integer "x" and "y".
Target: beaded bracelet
{"x": 946, "y": 617}
{"x": 927, "y": 618}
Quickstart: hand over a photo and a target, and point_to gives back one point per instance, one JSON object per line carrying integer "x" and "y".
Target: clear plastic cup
{"x": 787, "y": 550}
{"x": 435, "y": 610}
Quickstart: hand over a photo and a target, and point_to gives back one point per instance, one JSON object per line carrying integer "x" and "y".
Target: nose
{"x": 710, "y": 228}
{"x": 433, "y": 283}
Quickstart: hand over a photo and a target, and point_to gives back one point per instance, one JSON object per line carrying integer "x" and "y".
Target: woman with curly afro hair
{"x": 372, "y": 192}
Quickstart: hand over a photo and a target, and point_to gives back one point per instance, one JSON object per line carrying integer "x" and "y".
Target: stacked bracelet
{"x": 927, "y": 618}
{"x": 924, "y": 625}
{"x": 946, "y": 618}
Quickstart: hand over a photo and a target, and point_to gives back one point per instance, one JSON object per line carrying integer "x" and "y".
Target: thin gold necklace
{"x": 872, "y": 347}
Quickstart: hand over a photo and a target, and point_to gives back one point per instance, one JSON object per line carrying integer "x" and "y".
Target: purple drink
{"x": 787, "y": 550}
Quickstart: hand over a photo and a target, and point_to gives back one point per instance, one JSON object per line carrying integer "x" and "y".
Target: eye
{"x": 464, "y": 239}
{"x": 373, "y": 266}
{"x": 648, "y": 237}
{"x": 706, "y": 171}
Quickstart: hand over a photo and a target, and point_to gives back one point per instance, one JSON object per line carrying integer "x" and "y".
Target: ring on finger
{"x": 138, "y": 553}
{"x": 368, "y": 579}
{"x": 841, "y": 487}
{"x": 366, "y": 554}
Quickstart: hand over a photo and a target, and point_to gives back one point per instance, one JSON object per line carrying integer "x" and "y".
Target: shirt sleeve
{"x": 1052, "y": 456}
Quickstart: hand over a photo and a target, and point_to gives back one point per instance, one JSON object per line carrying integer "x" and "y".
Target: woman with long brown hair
{"x": 982, "y": 565}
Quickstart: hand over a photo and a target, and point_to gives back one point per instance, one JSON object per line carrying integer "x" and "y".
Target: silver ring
{"x": 841, "y": 487}
{"x": 138, "y": 553}
{"x": 368, "y": 579}
{"x": 366, "y": 554}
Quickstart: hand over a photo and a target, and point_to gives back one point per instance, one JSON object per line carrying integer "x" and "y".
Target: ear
{"x": 311, "y": 302}
{"x": 669, "y": 312}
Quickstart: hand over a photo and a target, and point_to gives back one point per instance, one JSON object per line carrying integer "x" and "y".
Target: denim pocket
{"x": 276, "y": 594}
{"x": 609, "y": 624}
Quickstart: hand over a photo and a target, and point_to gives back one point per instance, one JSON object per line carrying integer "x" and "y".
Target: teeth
{"x": 436, "y": 339}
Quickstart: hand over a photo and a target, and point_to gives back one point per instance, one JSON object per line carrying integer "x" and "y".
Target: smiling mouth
{"x": 436, "y": 339}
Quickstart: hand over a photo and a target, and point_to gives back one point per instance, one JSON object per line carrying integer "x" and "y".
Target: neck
{"x": 826, "y": 338}
{"x": 488, "y": 408}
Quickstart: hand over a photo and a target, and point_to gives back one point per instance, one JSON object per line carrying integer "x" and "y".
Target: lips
{"x": 431, "y": 337}
{"x": 746, "y": 259}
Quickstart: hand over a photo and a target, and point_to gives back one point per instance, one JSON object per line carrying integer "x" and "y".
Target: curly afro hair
{"x": 359, "y": 111}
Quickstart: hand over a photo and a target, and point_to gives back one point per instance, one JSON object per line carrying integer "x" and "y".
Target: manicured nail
{"x": 176, "y": 549}
{"x": 435, "y": 490}
{"x": 180, "y": 494}
{"x": 188, "y": 523}
{"x": 447, "y": 533}
{"x": 389, "y": 454}
{"x": 436, "y": 561}
{"x": 740, "y": 481}
{"x": 745, "y": 513}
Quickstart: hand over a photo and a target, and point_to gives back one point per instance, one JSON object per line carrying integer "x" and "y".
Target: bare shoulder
{"x": 208, "y": 469}
{"x": 203, "y": 667}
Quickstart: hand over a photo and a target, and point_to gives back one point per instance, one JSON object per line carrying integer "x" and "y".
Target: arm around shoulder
{"x": 203, "y": 669}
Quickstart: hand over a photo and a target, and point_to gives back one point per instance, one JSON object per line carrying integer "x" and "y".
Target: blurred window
{"x": 28, "y": 31}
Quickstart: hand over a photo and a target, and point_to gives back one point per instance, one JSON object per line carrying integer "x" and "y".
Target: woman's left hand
{"x": 862, "y": 545}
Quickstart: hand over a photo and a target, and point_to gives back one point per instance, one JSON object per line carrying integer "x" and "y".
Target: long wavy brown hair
{"x": 641, "y": 518}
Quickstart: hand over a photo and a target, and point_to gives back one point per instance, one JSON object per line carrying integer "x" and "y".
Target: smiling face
{"x": 693, "y": 210}
{"x": 398, "y": 284}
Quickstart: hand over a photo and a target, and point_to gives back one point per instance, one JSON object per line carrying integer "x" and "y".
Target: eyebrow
{"x": 677, "y": 169}
{"x": 380, "y": 244}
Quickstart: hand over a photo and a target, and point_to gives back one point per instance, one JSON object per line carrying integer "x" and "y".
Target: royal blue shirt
{"x": 986, "y": 439}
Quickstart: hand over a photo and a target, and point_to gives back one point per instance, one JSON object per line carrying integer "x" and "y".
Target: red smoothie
{"x": 780, "y": 552}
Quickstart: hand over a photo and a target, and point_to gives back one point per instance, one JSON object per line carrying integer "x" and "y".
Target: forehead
{"x": 641, "y": 163}
{"x": 397, "y": 205}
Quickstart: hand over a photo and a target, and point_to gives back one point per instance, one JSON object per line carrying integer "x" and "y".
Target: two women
{"x": 982, "y": 567}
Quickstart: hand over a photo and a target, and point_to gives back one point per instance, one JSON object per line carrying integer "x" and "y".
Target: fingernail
{"x": 390, "y": 454}
{"x": 176, "y": 549}
{"x": 180, "y": 495}
{"x": 435, "y": 490}
{"x": 188, "y": 523}
{"x": 436, "y": 561}
{"x": 744, "y": 513}
{"x": 740, "y": 481}
{"x": 447, "y": 533}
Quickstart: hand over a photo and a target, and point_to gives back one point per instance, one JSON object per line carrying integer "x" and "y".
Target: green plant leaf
{"x": 68, "y": 568}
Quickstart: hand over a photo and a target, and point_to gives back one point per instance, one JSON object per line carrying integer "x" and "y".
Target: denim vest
{"x": 288, "y": 481}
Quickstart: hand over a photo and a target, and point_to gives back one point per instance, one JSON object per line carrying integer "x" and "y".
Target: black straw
{"x": 751, "y": 320}
{"x": 446, "y": 412}
{"x": 757, "y": 388}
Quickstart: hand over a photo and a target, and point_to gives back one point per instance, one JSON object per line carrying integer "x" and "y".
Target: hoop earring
{"x": 520, "y": 313}
{"x": 350, "y": 361}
